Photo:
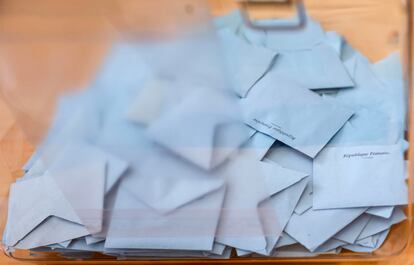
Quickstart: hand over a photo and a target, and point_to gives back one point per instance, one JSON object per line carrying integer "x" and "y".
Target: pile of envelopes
{"x": 303, "y": 155}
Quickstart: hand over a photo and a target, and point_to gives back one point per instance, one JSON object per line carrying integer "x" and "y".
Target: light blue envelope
{"x": 380, "y": 240}
{"x": 245, "y": 64}
{"x": 283, "y": 205}
{"x": 331, "y": 244}
{"x": 272, "y": 108}
{"x": 248, "y": 185}
{"x": 346, "y": 177}
{"x": 231, "y": 20}
{"x": 134, "y": 225}
{"x": 390, "y": 72}
{"x": 170, "y": 186}
{"x": 315, "y": 227}
{"x": 335, "y": 41}
{"x": 285, "y": 240}
{"x": 319, "y": 68}
{"x": 378, "y": 224}
{"x": 157, "y": 96}
{"x": 379, "y": 120}
{"x": 256, "y": 37}
{"x": 69, "y": 168}
{"x": 24, "y": 219}
{"x": 297, "y": 251}
{"x": 306, "y": 200}
{"x": 352, "y": 231}
{"x": 208, "y": 128}
{"x": 292, "y": 159}
{"x": 74, "y": 152}
{"x": 381, "y": 211}
{"x": 260, "y": 143}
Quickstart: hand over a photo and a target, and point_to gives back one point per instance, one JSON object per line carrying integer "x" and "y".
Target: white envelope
{"x": 272, "y": 108}
{"x": 208, "y": 128}
{"x": 346, "y": 177}
{"x": 315, "y": 227}
{"x": 245, "y": 64}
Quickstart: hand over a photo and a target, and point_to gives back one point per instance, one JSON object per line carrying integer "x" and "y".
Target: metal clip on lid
{"x": 283, "y": 24}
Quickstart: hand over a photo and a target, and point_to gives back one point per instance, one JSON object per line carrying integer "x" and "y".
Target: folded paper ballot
{"x": 292, "y": 146}
{"x": 272, "y": 108}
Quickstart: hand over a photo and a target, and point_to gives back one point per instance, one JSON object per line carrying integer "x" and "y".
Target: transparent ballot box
{"x": 217, "y": 131}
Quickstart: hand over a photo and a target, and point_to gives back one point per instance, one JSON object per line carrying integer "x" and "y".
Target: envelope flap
{"x": 167, "y": 182}
{"x": 279, "y": 178}
{"x": 32, "y": 201}
{"x": 196, "y": 122}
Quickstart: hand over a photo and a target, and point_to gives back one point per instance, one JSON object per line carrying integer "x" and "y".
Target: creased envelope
{"x": 242, "y": 203}
{"x": 190, "y": 227}
{"x": 166, "y": 182}
{"x": 273, "y": 105}
{"x": 352, "y": 231}
{"x": 379, "y": 238}
{"x": 319, "y": 68}
{"x": 208, "y": 128}
{"x": 285, "y": 240}
{"x": 378, "y": 224}
{"x": 24, "y": 218}
{"x": 292, "y": 159}
{"x": 315, "y": 227}
{"x": 245, "y": 64}
{"x": 283, "y": 205}
{"x": 260, "y": 143}
{"x": 378, "y": 120}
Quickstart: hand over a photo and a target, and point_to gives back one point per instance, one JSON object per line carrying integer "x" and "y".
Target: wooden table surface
{"x": 372, "y": 28}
